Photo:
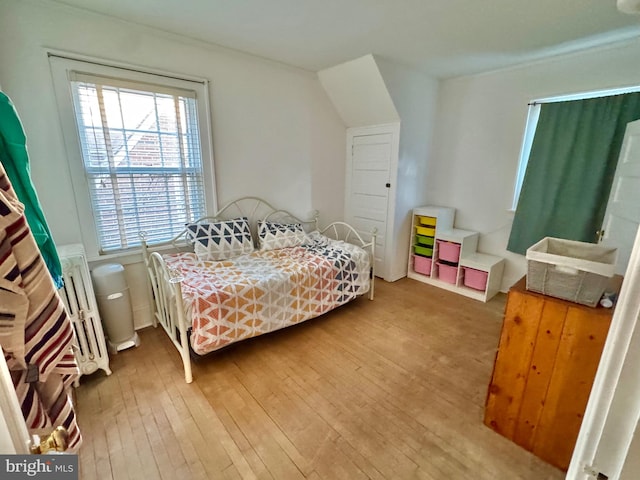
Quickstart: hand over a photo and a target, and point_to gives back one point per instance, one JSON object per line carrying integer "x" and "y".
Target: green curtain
{"x": 571, "y": 167}
{"x": 15, "y": 159}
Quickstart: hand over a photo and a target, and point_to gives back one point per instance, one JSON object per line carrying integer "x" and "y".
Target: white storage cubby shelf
{"x": 432, "y": 225}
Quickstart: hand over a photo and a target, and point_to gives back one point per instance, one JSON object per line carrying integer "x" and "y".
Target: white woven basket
{"x": 571, "y": 270}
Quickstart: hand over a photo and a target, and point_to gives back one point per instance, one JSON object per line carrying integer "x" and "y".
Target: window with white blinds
{"x": 141, "y": 155}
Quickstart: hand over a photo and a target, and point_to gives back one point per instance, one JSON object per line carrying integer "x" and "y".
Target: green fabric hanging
{"x": 15, "y": 159}
{"x": 571, "y": 168}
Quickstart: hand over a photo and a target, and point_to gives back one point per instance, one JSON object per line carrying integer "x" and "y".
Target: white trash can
{"x": 114, "y": 305}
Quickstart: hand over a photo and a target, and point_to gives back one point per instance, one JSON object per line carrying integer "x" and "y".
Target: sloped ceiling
{"x": 358, "y": 92}
{"x": 441, "y": 38}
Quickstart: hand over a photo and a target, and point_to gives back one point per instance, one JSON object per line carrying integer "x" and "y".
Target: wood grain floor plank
{"x": 389, "y": 389}
{"x": 263, "y": 435}
{"x": 214, "y": 392}
{"x": 370, "y": 413}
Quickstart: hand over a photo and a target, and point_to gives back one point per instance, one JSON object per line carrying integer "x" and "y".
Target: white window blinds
{"x": 141, "y": 154}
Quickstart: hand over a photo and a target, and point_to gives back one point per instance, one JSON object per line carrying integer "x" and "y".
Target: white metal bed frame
{"x": 165, "y": 289}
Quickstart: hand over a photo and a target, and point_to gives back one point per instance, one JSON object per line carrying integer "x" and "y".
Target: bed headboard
{"x": 255, "y": 209}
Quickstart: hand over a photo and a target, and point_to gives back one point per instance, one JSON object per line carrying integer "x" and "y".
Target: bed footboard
{"x": 345, "y": 232}
{"x": 168, "y": 308}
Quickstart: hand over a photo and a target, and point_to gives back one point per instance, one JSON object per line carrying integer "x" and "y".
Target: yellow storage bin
{"x": 427, "y": 221}
{"x": 426, "y": 231}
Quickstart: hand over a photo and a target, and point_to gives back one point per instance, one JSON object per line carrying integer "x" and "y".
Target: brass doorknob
{"x": 56, "y": 441}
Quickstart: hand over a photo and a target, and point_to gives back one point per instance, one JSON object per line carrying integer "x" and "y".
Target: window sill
{"x": 124, "y": 258}
{"x": 128, "y": 257}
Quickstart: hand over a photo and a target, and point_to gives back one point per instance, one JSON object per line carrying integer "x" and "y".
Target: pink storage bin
{"x": 447, "y": 273}
{"x": 449, "y": 251}
{"x": 476, "y": 279}
{"x": 422, "y": 265}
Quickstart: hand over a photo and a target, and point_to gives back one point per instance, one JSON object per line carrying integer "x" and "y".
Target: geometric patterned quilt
{"x": 231, "y": 300}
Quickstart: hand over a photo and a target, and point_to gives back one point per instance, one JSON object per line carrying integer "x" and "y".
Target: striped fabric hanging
{"x": 35, "y": 331}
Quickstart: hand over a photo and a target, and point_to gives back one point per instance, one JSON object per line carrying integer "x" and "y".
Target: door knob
{"x": 56, "y": 441}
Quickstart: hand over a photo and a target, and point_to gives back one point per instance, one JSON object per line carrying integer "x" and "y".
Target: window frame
{"x": 61, "y": 67}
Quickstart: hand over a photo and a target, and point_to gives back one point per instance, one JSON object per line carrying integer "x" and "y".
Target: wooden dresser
{"x": 546, "y": 362}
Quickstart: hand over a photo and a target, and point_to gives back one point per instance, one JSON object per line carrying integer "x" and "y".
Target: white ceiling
{"x": 440, "y": 37}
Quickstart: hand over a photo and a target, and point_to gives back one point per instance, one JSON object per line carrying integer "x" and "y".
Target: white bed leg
{"x": 372, "y": 285}
{"x": 184, "y": 338}
{"x": 373, "y": 263}
{"x": 186, "y": 361}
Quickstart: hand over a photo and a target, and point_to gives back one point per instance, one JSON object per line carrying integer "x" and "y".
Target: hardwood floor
{"x": 389, "y": 389}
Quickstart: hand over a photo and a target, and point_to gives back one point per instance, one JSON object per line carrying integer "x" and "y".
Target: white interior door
{"x": 14, "y": 436}
{"x": 631, "y": 468}
{"x": 369, "y": 159}
{"x": 622, "y": 217}
{"x": 611, "y": 418}
{"x": 622, "y": 419}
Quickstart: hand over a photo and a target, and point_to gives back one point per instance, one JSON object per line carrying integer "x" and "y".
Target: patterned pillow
{"x": 272, "y": 235}
{"x": 220, "y": 240}
{"x": 316, "y": 239}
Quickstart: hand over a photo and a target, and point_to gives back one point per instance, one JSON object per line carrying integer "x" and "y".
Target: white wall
{"x": 415, "y": 98}
{"x": 275, "y": 133}
{"x": 480, "y": 122}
